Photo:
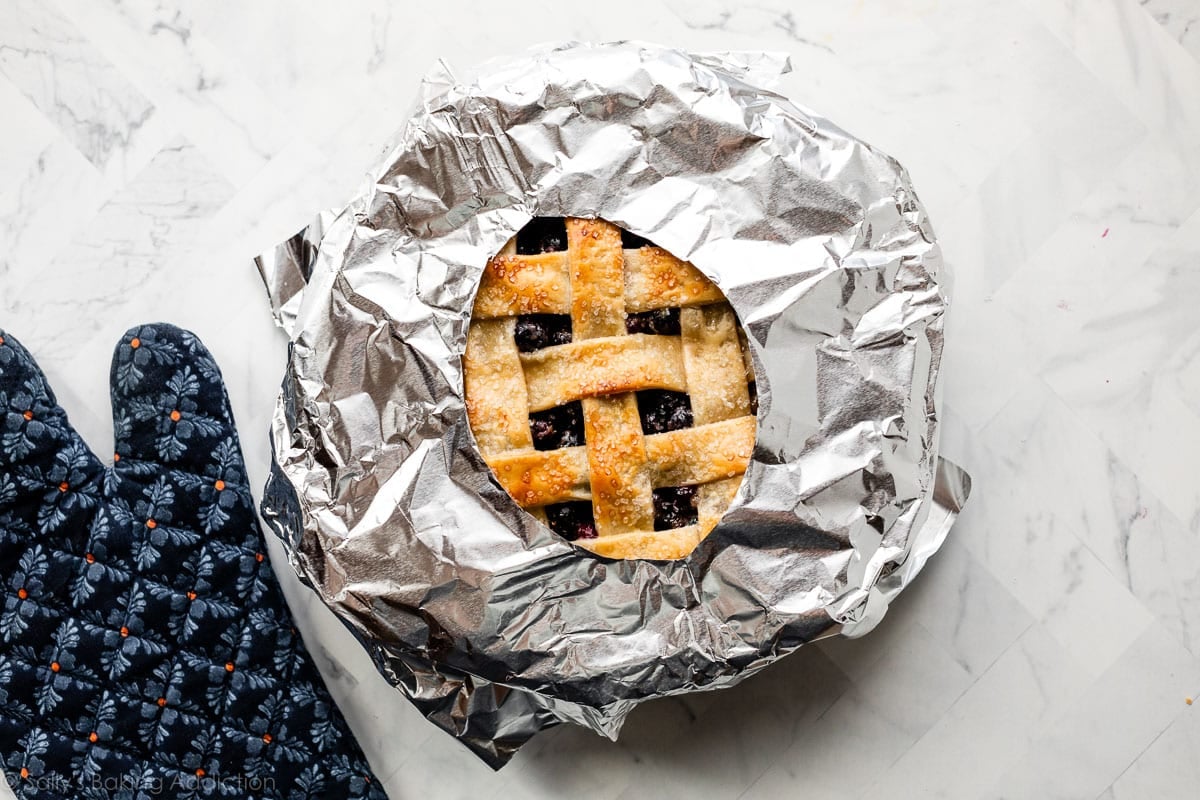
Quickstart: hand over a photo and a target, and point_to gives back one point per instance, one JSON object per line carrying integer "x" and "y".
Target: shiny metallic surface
{"x": 492, "y": 625}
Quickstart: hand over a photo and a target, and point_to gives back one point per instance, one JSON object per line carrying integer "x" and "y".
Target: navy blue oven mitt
{"x": 146, "y": 650}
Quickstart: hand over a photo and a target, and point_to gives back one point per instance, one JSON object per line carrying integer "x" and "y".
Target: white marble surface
{"x": 149, "y": 149}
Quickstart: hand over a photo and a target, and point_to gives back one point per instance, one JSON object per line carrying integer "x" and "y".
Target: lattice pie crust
{"x": 595, "y": 323}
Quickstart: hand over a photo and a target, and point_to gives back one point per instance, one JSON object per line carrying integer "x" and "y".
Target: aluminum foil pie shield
{"x": 490, "y": 623}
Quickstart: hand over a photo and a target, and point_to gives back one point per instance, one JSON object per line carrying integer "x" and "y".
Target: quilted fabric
{"x": 146, "y": 650}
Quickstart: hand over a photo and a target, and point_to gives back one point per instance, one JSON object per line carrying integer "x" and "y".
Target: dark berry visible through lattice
{"x": 572, "y": 520}
{"x": 566, "y": 302}
{"x": 542, "y": 235}
{"x": 536, "y": 331}
{"x": 662, "y": 411}
{"x": 558, "y": 427}
{"x": 631, "y": 241}
{"x": 675, "y": 507}
{"x": 660, "y": 322}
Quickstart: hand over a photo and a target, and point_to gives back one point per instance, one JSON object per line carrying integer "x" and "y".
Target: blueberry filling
{"x": 753, "y": 387}
{"x": 661, "y": 322}
{"x": 631, "y": 241}
{"x": 558, "y": 427}
{"x": 675, "y": 507}
{"x": 572, "y": 520}
{"x": 542, "y": 235}
{"x": 663, "y": 411}
{"x": 535, "y": 331}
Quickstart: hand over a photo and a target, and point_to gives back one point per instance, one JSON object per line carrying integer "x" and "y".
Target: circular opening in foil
{"x": 609, "y": 388}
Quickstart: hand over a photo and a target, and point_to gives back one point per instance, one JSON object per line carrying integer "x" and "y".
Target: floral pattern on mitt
{"x": 145, "y": 647}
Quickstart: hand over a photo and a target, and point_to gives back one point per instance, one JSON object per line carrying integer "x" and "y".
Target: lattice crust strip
{"x": 618, "y": 467}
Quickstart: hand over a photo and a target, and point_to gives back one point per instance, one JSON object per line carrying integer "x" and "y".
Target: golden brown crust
{"x": 597, "y": 367}
{"x": 597, "y": 278}
{"x": 621, "y": 491}
{"x": 659, "y": 545}
{"x": 513, "y": 285}
{"x": 497, "y": 405}
{"x": 538, "y": 478}
{"x": 656, "y": 279}
{"x": 711, "y": 501}
{"x": 702, "y": 454}
{"x": 711, "y": 349}
{"x": 598, "y": 283}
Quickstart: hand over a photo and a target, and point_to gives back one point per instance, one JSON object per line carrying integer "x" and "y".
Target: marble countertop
{"x": 150, "y": 149}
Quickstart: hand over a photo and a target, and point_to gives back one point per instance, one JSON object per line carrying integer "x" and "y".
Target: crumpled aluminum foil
{"x": 491, "y": 624}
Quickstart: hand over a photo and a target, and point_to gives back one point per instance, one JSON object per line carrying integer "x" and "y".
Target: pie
{"x": 609, "y": 388}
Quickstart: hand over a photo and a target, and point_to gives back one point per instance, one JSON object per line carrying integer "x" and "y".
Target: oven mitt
{"x": 146, "y": 650}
